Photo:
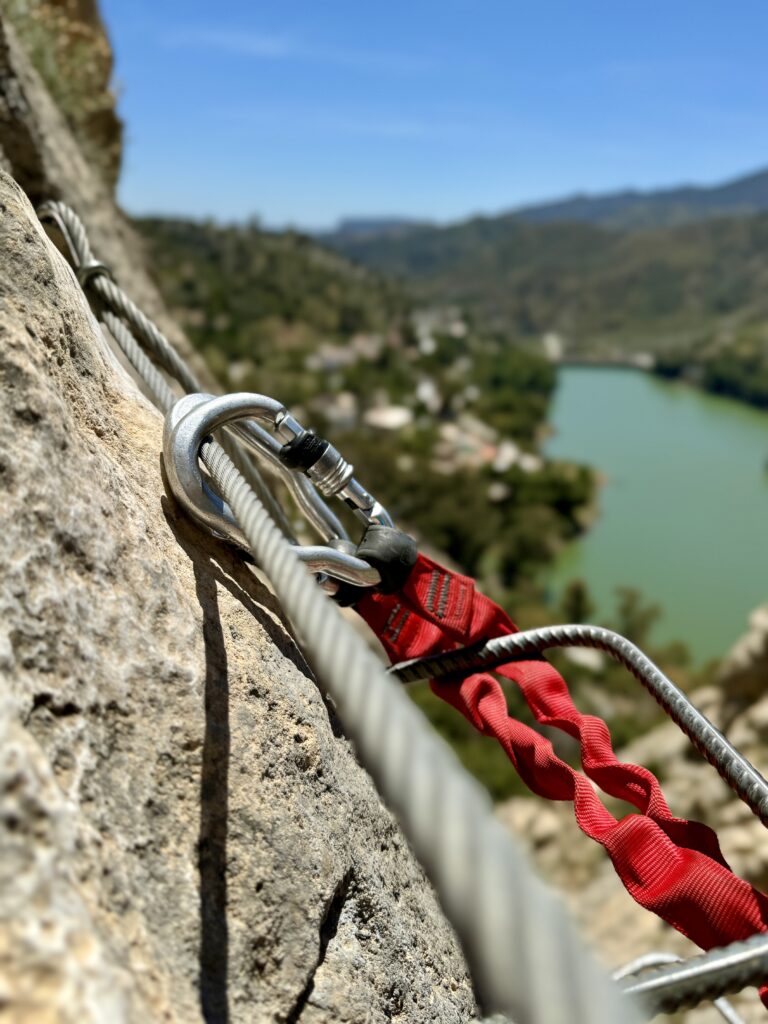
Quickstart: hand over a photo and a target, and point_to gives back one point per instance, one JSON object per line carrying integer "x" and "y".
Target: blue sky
{"x": 308, "y": 110}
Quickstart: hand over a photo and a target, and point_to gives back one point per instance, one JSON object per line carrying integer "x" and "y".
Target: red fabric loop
{"x": 669, "y": 865}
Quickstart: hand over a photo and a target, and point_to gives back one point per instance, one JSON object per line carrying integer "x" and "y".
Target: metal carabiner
{"x": 187, "y": 424}
{"x": 267, "y": 447}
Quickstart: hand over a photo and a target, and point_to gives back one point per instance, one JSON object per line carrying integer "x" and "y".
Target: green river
{"x": 683, "y": 512}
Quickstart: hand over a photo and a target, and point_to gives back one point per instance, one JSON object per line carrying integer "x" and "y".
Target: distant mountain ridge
{"x": 367, "y": 227}
{"x": 603, "y": 291}
{"x": 658, "y": 208}
{"x": 629, "y": 209}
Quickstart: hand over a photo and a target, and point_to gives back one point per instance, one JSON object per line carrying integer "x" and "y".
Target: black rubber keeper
{"x": 303, "y": 452}
{"x": 390, "y": 551}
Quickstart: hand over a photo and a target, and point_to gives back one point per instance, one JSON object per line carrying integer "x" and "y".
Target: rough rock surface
{"x": 39, "y": 150}
{"x": 617, "y": 927}
{"x": 68, "y": 44}
{"x": 184, "y": 833}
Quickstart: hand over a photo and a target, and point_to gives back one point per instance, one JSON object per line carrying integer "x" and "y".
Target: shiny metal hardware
{"x": 92, "y": 268}
{"x": 642, "y": 963}
{"x": 266, "y": 447}
{"x": 333, "y": 475}
{"x": 190, "y": 421}
{"x": 712, "y": 975}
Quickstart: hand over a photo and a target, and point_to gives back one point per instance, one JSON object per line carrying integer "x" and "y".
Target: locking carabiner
{"x": 188, "y": 423}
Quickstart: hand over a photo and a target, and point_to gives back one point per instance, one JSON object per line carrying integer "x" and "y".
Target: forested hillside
{"x": 604, "y": 292}
{"x": 258, "y": 303}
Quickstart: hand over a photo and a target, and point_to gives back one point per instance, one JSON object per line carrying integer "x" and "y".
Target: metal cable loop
{"x": 714, "y": 974}
{"x": 523, "y": 952}
{"x": 742, "y": 777}
{"x": 115, "y": 298}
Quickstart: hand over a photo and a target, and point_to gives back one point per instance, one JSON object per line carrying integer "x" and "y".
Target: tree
{"x": 635, "y": 615}
{"x": 576, "y": 604}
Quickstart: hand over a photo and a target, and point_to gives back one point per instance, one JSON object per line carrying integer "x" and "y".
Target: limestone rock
{"x": 68, "y": 44}
{"x": 40, "y": 151}
{"x": 744, "y": 673}
{"x": 185, "y": 834}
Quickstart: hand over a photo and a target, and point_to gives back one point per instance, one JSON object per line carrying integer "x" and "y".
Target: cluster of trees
{"x": 265, "y": 299}
{"x": 503, "y": 543}
{"x": 736, "y": 367}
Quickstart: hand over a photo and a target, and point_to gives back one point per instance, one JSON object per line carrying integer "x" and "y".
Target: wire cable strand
{"x": 162, "y": 395}
{"x": 523, "y": 952}
{"x": 742, "y": 777}
{"x": 659, "y": 959}
{"x": 709, "y": 976}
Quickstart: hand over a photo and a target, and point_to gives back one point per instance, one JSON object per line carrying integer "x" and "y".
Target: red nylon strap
{"x": 669, "y": 865}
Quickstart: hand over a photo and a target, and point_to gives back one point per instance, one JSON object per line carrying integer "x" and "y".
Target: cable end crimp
{"x": 390, "y": 551}
{"x": 90, "y": 269}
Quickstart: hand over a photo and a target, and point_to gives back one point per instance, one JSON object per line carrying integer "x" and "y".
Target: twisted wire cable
{"x": 113, "y": 296}
{"x": 95, "y": 276}
{"x": 709, "y": 976}
{"x": 523, "y": 952}
{"x": 162, "y": 395}
{"x": 743, "y": 778}
{"x": 113, "y": 303}
{"x": 659, "y": 959}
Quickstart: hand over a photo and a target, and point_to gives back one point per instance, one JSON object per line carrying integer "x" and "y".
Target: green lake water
{"x": 683, "y": 513}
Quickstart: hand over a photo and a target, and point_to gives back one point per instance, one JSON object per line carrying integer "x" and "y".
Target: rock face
{"x": 618, "y": 928}
{"x": 38, "y": 148}
{"x": 184, "y": 833}
{"x": 67, "y": 43}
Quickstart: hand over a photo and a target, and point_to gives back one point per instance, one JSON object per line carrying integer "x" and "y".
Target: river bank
{"x": 683, "y": 511}
{"x": 739, "y": 371}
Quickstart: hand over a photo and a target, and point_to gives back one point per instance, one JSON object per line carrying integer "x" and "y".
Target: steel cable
{"x": 523, "y": 952}
{"x": 115, "y": 298}
{"x": 642, "y": 963}
{"x": 709, "y": 976}
{"x": 743, "y": 778}
{"x": 162, "y": 395}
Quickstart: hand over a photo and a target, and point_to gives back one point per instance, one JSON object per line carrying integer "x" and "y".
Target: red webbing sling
{"x": 671, "y": 866}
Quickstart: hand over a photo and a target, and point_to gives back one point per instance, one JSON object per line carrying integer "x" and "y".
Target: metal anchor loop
{"x": 187, "y": 425}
